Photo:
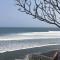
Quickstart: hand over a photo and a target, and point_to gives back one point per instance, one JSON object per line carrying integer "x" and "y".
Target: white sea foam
{"x": 48, "y": 36}
{"x": 27, "y": 47}
{"x": 31, "y": 35}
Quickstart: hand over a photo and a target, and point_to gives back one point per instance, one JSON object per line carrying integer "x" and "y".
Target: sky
{"x": 11, "y": 17}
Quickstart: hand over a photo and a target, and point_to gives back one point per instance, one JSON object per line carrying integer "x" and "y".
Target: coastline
{"x": 20, "y": 54}
{"x": 26, "y": 44}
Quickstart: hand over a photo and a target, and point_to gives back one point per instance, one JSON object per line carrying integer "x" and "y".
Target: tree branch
{"x": 44, "y": 10}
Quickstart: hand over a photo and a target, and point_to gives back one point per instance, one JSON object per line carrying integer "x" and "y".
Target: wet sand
{"x": 20, "y": 54}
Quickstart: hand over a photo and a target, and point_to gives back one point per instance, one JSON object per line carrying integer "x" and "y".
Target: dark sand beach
{"x": 20, "y": 54}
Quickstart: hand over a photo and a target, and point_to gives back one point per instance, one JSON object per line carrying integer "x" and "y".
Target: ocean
{"x": 12, "y": 39}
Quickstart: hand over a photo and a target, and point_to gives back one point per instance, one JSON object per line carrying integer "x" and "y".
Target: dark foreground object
{"x": 51, "y": 55}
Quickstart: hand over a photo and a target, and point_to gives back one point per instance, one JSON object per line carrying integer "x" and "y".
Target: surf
{"x": 28, "y": 47}
{"x": 31, "y": 35}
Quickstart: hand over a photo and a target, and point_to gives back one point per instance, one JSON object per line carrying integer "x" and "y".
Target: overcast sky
{"x": 11, "y": 17}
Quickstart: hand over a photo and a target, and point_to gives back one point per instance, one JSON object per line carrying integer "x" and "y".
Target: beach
{"x": 16, "y": 43}
{"x": 21, "y": 54}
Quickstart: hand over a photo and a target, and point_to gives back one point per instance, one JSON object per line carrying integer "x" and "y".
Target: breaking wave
{"x": 31, "y": 35}
{"x": 17, "y": 41}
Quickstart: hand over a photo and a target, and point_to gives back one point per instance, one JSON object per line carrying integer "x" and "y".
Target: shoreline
{"x": 20, "y": 54}
{"x": 29, "y": 48}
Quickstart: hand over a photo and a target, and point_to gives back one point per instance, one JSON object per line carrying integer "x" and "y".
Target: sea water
{"x": 22, "y": 38}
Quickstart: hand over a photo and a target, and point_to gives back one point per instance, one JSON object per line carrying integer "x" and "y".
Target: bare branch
{"x": 44, "y": 10}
